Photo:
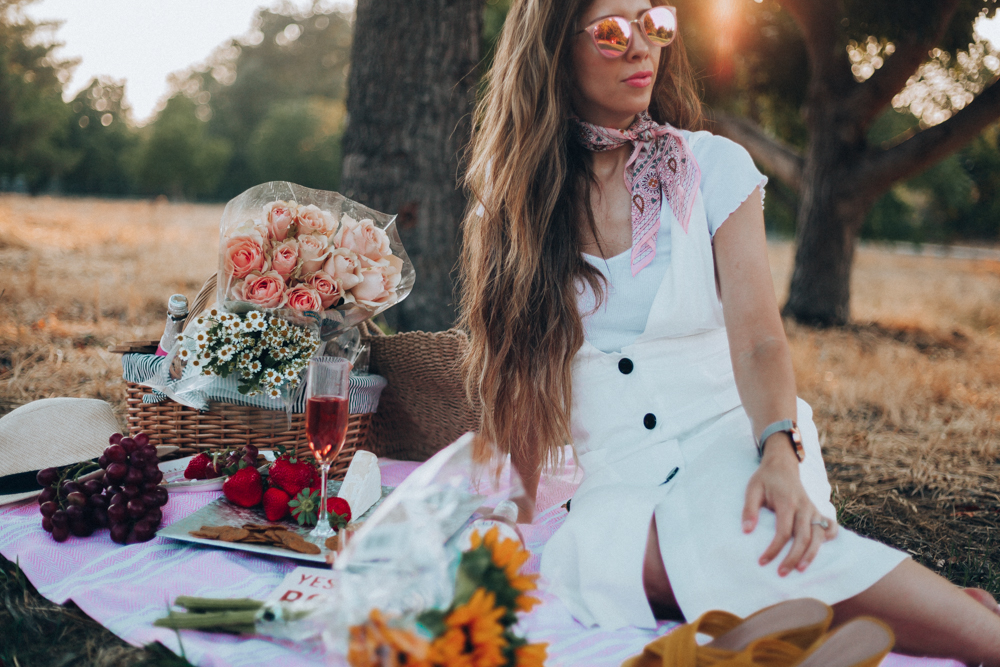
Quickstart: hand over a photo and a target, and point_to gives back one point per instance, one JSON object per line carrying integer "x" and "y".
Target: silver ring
{"x": 822, "y": 523}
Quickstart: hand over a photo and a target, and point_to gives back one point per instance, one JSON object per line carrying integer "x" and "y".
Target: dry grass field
{"x": 907, "y": 399}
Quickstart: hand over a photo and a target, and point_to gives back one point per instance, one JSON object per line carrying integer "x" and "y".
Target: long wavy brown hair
{"x": 521, "y": 265}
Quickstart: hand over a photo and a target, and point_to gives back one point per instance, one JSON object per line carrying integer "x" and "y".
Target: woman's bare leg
{"x": 655, "y": 581}
{"x": 930, "y": 616}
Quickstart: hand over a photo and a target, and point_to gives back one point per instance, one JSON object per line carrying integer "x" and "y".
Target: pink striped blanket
{"x": 127, "y": 588}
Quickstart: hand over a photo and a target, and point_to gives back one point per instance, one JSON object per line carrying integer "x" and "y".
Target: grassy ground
{"x": 907, "y": 400}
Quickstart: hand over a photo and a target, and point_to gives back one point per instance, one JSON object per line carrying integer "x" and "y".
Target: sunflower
{"x": 531, "y": 655}
{"x": 448, "y": 650}
{"x": 478, "y": 622}
{"x": 375, "y": 644}
{"x": 509, "y": 556}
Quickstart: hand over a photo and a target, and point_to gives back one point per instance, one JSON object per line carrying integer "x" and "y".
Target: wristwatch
{"x": 788, "y": 426}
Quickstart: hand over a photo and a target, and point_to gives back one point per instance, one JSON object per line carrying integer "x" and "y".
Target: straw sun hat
{"x": 51, "y": 432}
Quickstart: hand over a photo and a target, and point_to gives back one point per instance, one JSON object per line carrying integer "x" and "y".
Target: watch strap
{"x": 785, "y": 425}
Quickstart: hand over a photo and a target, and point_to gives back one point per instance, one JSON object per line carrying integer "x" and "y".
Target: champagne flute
{"x": 327, "y": 401}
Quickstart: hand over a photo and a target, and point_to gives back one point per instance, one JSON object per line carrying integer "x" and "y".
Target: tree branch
{"x": 776, "y": 157}
{"x": 829, "y": 69}
{"x": 870, "y": 97}
{"x": 879, "y": 169}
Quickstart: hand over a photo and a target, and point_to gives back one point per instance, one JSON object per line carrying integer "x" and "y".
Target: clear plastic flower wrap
{"x": 312, "y": 259}
{"x": 404, "y": 558}
{"x": 285, "y": 247}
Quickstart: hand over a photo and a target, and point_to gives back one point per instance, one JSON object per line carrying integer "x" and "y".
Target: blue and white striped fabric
{"x": 140, "y": 368}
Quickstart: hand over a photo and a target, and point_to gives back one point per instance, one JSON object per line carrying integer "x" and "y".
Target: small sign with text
{"x": 304, "y": 584}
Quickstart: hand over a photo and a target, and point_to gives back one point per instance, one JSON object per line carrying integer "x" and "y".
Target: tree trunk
{"x": 832, "y": 204}
{"x": 411, "y": 91}
{"x": 828, "y": 225}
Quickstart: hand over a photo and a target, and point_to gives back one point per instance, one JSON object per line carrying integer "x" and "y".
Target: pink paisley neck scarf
{"x": 661, "y": 164}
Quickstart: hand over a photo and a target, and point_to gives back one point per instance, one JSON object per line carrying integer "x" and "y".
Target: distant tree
{"x": 286, "y": 59}
{"x": 102, "y": 135}
{"x": 178, "y": 157}
{"x": 818, "y": 75}
{"x": 412, "y": 85}
{"x": 33, "y": 116}
{"x": 299, "y": 141}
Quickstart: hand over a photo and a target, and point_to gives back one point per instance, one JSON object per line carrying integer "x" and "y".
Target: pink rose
{"x": 374, "y": 290}
{"x": 244, "y": 254}
{"x": 393, "y": 273}
{"x": 345, "y": 267}
{"x": 266, "y": 290}
{"x": 329, "y": 289}
{"x": 314, "y": 220}
{"x": 363, "y": 237}
{"x": 304, "y": 297}
{"x": 278, "y": 216}
{"x": 313, "y": 251}
{"x": 284, "y": 257}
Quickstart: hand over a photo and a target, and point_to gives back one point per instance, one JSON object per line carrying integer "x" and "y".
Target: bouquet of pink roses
{"x": 286, "y": 247}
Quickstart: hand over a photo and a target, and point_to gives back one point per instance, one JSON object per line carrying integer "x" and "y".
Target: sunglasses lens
{"x": 611, "y": 36}
{"x": 660, "y": 25}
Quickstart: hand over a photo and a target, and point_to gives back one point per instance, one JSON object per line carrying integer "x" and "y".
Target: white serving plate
{"x": 174, "y": 481}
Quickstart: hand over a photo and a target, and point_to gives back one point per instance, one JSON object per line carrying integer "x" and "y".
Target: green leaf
{"x": 433, "y": 621}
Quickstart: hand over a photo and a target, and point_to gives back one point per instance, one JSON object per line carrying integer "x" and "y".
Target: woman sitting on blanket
{"x": 617, "y": 292}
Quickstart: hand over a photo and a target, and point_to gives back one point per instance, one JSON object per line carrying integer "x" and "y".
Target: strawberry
{"x": 197, "y": 467}
{"x": 292, "y": 475}
{"x": 340, "y": 512}
{"x": 305, "y": 507}
{"x": 275, "y": 504}
{"x": 244, "y": 487}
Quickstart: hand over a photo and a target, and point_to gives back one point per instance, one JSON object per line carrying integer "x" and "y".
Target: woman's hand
{"x": 776, "y": 486}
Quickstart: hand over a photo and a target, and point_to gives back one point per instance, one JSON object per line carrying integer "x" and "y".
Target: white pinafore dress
{"x": 665, "y": 434}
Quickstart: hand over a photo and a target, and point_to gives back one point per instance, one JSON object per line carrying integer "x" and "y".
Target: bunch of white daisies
{"x": 266, "y": 351}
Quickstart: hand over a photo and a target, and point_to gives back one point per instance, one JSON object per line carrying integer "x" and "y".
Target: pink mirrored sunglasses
{"x": 612, "y": 35}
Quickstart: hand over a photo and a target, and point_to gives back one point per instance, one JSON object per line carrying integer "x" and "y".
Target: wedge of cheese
{"x": 363, "y": 484}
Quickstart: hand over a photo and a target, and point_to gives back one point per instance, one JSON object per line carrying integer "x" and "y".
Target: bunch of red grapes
{"x": 124, "y": 493}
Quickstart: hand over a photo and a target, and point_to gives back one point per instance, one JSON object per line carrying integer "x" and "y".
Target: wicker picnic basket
{"x": 421, "y": 410}
{"x": 224, "y": 424}
{"x": 423, "y": 407}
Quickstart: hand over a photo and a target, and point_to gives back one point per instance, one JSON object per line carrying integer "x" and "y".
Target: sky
{"x": 143, "y": 41}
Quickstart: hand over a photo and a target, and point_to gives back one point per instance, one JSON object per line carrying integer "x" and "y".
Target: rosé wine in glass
{"x": 327, "y": 402}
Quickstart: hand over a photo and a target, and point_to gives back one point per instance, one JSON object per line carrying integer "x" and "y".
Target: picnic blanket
{"x": 126, "y": 588}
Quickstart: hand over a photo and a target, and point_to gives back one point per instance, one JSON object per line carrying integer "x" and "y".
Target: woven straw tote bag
{"x": 424, "y": 406}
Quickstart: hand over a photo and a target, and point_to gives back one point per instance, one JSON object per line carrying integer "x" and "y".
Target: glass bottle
{"x": 503, "y": 518}
{"x": 177, "y": 311}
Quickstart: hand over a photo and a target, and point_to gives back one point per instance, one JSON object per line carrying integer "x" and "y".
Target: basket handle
{"x": 369, "y": 330}
{"x": 205, "y": 296}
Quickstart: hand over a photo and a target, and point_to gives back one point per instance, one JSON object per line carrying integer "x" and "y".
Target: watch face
{"x": 800, "y": 452}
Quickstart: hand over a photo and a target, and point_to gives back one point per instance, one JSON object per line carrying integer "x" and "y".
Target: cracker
{"x": 302, "y": 547}
{"x": 275, "y": 535}
{"x": 262, "y": 527}
{"x": 204, "y": 535}
{"x": 295, "y": 542}
{"x": 228, "y": 534}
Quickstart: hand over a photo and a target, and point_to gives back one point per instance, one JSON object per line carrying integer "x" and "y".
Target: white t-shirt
{"x": 728, "y": 177}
